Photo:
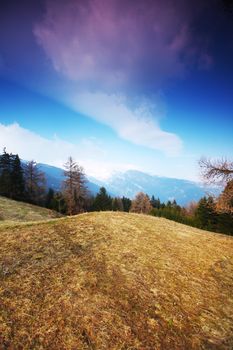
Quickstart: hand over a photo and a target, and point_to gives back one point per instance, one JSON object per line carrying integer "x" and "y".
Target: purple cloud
{"x": 109, "y": 51}
{"x": 106, "y": 49}
{"x": 117, "y": 43}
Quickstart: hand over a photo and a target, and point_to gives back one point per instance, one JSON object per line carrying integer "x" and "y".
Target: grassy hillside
{"x": 11, "y": 210}
{"x": 115, "y": 281}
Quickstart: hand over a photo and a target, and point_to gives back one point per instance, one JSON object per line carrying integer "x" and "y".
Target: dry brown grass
{"x": 11, "y": 210}
{"x": 115, "y": 281}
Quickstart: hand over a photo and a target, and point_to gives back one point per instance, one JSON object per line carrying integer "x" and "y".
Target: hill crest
{"x": 114, "y": 280}
{"x": 11, "y": 210}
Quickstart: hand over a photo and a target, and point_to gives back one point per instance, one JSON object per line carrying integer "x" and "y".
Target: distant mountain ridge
{"x": 55, "y": 176}
{"x": 133, "y": 181}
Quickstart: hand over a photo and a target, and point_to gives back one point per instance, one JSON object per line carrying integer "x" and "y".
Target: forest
{"x": 24, "y": 181}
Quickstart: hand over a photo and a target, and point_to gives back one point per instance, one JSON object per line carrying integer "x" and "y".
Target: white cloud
{"x": 137, "y": 125}
{"x": 55, "y": 151}
{"x": 30, "y": 145}
{"x": 92, "y": 46}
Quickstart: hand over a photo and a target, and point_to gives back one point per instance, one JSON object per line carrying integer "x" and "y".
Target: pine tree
{"x": 206, "y": 215}
{"x": 102, "y": 201}
{"x": 126, "y": 204}
{"x": 155, "y": 202}
{"x": 152, "y": 201}
{"x": 5, "y": 173}
{"x": 225, "y": 223}
{"x": 49, "y": 199}
{"x": 11, "y": 176}
{"x": 117, "y": 204}
{"x": 60, "y": 203}
{"x": 17, "y": 179}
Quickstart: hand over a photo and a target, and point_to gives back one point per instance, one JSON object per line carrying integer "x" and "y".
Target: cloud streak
{"x": 108, "y": 51}
{"x": 55, "y": 151}
{"x": 135, "y": 125}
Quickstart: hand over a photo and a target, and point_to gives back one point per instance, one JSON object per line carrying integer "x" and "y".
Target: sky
{"x": 117, "y": 84}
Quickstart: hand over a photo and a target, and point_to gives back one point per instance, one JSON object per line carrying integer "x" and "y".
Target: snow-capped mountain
{"x": 55, "y": 176}
{"x": 132, "y": 181}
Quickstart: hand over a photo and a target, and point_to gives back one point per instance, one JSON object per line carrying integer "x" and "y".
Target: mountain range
{"x": 131, "y": 182}
{"x": 55, "y": 176}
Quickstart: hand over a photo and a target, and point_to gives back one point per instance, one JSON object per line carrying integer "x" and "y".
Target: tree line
{"x": 25, "y": 182}
{"x": 203, "y": 214}
{"x": 209, "y": 213}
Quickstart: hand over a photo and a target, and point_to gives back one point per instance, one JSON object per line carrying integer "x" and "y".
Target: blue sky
{"x": 145, "y": 87}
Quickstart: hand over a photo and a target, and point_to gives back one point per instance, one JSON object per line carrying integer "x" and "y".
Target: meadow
{"x": 112, "y": 280}
{"x": 14, "y": 211}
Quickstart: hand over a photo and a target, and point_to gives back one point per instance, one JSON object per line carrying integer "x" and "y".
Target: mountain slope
{"x": 55, "y": 176}
{"x": 131, "y": 182}
{"x": 115, "y": 281}
{"x": 11, "y": 210}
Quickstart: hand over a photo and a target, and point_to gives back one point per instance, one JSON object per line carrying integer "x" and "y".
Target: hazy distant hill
{"x": 132, "y": 181}
{"x": 115, "y": 281}
{"x": 55, "y": 177}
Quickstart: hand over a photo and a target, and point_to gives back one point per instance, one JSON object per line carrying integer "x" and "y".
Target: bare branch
{"x": 218, "y": 171}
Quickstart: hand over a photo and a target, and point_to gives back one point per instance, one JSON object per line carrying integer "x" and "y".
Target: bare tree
{"x": 219, "y": 172}
{"x": 34, "y": 181}
{"x": 216, "y": 171}
{"x": 74, "y": 187}
{"x": 225, "y": 200}
{"x": 191, "y": 208}
{"x": 141, "y": 204}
